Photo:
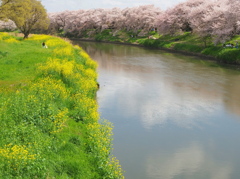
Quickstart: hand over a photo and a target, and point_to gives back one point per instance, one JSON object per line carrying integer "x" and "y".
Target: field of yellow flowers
{"x": 50, "y": 126}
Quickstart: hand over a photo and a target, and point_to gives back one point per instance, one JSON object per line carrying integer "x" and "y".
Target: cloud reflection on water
{"x": 186, "y": 162}
{"x": 164, "y": 89}
{"x": 141, "y": 88}
{"x": 158, "y": 99}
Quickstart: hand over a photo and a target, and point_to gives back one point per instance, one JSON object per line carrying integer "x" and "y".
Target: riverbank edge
{"x": 66, "y": 85}
{"x": 188, "y": 53}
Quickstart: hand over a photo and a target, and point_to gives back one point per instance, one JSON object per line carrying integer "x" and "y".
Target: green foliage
{"x": 150, "y": 43}
{"x": 3, "y": 54}
{"x": 17, "y": 65}
{"x": 212, "y": 50}
{"x": 99, "y": 37}
{"x": 224, "y": 55}
{"x": 106, "y": 35}
{"x": 3, "y": 8}
{"x": 229, "y": 55}
{"x": 27, "y": 15}
{"x": 186, "y": 42}
{"x": 106, "y": 32}
{"x": 50, "y": 125}
{"x": 188, "y": 47}
{"x": 84, "y": 34}
{"x": 153, "y": 33}
{"x": 180, "y": 37}
{"x": 131, "y": 33}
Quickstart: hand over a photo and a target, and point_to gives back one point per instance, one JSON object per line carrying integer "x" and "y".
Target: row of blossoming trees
{"x": 215, "y": 19}
{"x": 130, "y": 19}
{"x": 219, "y": 19}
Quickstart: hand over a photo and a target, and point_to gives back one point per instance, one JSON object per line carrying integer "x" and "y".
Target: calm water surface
{"x": 175, "y": 117}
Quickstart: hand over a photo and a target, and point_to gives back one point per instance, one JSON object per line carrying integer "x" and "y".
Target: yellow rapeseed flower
{"x": 11, "y": 40}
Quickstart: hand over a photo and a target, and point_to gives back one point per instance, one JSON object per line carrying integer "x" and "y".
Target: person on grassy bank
{"x": 44, "y": 45}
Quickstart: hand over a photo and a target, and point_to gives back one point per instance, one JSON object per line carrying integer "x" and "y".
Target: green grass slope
{"x": 185, "y": 42}
{"x": 50, "y": 127}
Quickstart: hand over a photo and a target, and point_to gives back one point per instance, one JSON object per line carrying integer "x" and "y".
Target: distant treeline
{"x": 217, "y": 20}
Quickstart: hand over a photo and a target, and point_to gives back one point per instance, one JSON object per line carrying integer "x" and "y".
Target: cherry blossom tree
{"x": 225, "y": 20}
{"x": 173, "y": 20}
{"x": 131, "y": 19}
{"x": 140, "y": 18}
{"x": 209, "y": 19}
{"x": 199, "y": 13}
{"x": 7, "y": 25}
{"x": 59, "y": 20}
{"x": 215, "y": 19}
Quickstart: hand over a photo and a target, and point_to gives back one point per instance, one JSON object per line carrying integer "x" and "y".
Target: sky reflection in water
{"x": 174, "y": 116}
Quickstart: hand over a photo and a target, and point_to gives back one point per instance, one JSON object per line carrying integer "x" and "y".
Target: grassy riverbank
{"x": 50, "y": 127}
{"x": 187, "y": 42}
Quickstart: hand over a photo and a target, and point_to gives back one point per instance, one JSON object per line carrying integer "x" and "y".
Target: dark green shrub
{"x": 229, "y": 56}
{"x": 188, "y": 47}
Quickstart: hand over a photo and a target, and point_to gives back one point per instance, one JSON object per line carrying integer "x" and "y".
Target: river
{"x": 174, "y": 116}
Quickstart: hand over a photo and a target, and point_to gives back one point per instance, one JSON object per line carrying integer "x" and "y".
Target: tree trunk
{"x": 26, "y": 34}
{"x": 205, "y": 43}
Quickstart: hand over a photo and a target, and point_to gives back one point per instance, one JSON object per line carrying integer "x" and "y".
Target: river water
{"x": 174, "y": 116}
